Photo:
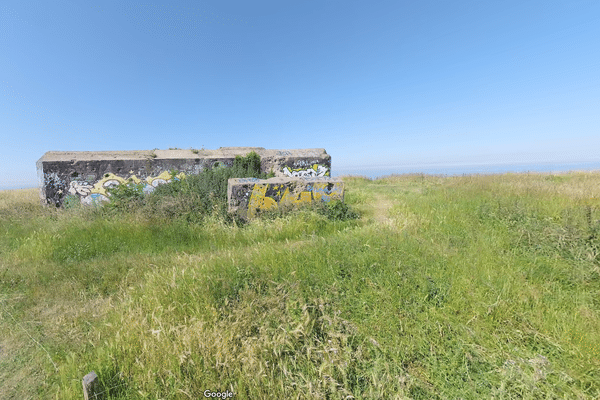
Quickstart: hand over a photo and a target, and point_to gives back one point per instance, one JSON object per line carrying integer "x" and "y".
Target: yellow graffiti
{"x": 288, "y": 199}
{"x": 106, "y": 182}
{"x": 259, "y": 201}
{"x": 164, "y": 177}
{"x": 322, "y": 191}
{"x": 110, "y": 180}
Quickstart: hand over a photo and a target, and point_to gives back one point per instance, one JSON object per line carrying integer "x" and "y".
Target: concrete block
{"x": 90, "y": 387}
{"x": 85, "y": 175}
{"x": 249, "y": 196}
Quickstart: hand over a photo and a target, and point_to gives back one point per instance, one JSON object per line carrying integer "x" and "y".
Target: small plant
{"x": 197, "y": 151}
{"x": 249, "y": 165}
{"x": 152, "y": 154}
{"x": 337, "y": 210}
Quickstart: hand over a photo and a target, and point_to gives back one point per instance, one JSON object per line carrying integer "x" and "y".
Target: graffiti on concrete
{"x": 55, "y": 187}
{"x": 267, "y": 196}
{"x": 63, "y": 174}
{"x": 98, "y": 192}
{"x": 94, "y": 198}
{"x": 248, "y": 180}
{"x": 326, "y": 192}
{"x": 54, "y": 181}
{"x": 314, "y": 170}
{"x": 80, "y": 188}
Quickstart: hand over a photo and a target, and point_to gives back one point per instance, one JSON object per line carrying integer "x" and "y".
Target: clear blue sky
{"x": 374, "y": 83}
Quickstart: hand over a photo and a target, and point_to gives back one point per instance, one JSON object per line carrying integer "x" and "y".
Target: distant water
{"x": 467, "y": 169}
{"x": 22, "y": 186}
{"x": 432, "y": 169}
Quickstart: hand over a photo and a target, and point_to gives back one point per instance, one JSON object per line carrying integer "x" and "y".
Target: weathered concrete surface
{"x": 249, "y": 196}
{"x": 87, "y": 174}
{"x": 90, "y": 387}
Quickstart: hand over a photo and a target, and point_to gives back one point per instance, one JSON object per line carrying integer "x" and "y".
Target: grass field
{"x": 474, "y": 287}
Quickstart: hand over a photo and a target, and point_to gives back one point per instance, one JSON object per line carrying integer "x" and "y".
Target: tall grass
{"x": 458, "y": 287}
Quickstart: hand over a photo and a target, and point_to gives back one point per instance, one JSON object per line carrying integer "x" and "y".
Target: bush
{"x": 337, "y": 210}
{"x": 125, "y": 197}
{"x": 197, "y": 196}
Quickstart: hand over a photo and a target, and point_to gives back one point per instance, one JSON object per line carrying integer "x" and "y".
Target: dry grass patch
{"x": 9, "y": 198}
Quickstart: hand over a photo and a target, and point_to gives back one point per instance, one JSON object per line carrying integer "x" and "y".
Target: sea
{"x": 374, "y": 172}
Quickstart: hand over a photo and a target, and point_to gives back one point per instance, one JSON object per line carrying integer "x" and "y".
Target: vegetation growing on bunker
{"x": 195, "y": 197}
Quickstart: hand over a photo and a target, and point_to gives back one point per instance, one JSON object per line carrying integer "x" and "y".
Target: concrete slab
{"x": 249, "y": 196}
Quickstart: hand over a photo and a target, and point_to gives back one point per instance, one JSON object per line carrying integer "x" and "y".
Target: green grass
{"x": 459, "y": 287}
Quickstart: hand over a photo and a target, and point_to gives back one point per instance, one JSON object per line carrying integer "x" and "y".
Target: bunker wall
{"x": 249, "y": 196}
